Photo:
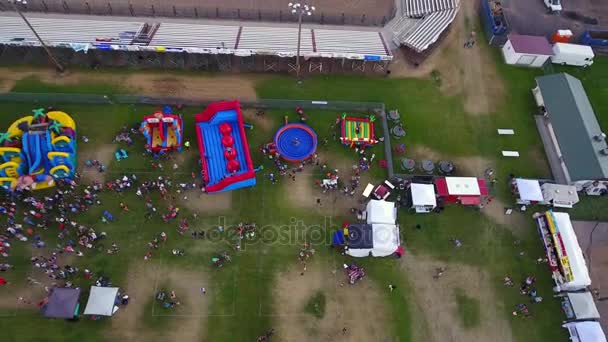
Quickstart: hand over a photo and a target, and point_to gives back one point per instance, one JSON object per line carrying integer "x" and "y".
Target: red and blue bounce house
{"x": 225, "y": 157}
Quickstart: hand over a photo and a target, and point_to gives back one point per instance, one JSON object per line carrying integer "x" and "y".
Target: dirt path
{"x": 142, "y": 279}
{"x": 435, "y": 300}
{"x": 358, "y": 308}
{"x": 224, "y": 86}
{"x": 467, "y": 72}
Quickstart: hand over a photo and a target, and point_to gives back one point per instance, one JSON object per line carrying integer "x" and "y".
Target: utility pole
{"x": 14, "y": 3}
{"x": 300, "y": 10}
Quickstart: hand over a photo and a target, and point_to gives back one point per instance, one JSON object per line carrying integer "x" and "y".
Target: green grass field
{"x": 245, "y": 286}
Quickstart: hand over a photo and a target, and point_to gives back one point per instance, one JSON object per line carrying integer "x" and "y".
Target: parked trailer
{"x": 595, "y": 38}
{"x": 572, "y": 54}
{"x": 494, "y": 22}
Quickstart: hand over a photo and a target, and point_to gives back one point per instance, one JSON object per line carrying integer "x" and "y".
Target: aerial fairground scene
{"x": 295, "y": 171}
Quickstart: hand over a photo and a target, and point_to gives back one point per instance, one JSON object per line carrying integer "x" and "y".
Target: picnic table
{"x": 408, "y": 164}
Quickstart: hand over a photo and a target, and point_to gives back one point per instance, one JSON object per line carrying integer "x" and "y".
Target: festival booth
{"x": 377, "y": 240}
{"x": 528, "y": 191}
{"x": 532, "y": 191}
{"x": 62, "y": 302}
{"x": 102, "y": 301}
{"x": 585, "y": 332}
{"x": 579, "y": 306}
{"x": 381, "y": 212}
{"x": 423, "y": 197}
{"x": 564, "y": 254}
{"x": 468, "y": 191}
{"x": 559, "y": 195}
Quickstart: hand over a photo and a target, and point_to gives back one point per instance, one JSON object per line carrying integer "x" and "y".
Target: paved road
{"x": 531, "y": 17}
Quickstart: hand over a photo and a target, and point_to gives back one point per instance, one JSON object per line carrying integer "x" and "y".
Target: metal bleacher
{"x": 282, "y": 41}
{"x": 420, "y": 23}
{"x": 56, "y": 31}
{"x": 195, "y": 36}
{"x": 429, "y": 29}
{"x": 353, "y": 42}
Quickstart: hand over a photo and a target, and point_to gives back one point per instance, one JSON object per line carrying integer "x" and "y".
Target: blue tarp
{"x": 338, "y": 238}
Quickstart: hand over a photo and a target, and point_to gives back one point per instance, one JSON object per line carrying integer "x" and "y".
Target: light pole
{"x": 300, "y": 10}
{"x": 14, "y": 4}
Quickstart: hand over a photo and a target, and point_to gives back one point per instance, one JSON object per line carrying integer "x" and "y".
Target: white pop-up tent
{"x": 102, "y": 301}
{"x": 381, "y": 212}
{"x": 580, "y": 306}
{"x": 529, "y": 191}
{"x": 585, "y": 332}
{"x": 423, "y": 197}
{"x": 377, "y": 240}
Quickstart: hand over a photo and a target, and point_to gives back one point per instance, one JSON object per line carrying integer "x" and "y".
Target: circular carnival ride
{"x": 295, "y": 142}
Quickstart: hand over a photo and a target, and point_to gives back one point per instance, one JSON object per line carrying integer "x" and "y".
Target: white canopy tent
{"x": 381, "y": 212}
{"x": 101, "y": 301}
{"x": 585, "y": 332}
{"x": 423, "y": 197}
{"x": 583, "y": 306}
{"x": 529, "y": 191}
{"x": 576, "y": 259}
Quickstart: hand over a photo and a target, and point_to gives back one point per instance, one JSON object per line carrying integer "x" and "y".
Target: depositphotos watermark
{"x": 296, "y": 232}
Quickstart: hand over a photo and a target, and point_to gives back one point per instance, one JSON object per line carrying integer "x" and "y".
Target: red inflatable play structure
{"x": 225, "y": 158}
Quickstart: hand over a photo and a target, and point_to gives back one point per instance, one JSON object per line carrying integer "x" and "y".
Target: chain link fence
{"x": 176, "y": 10}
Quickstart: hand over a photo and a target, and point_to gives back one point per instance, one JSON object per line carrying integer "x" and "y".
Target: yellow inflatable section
{"x": 14, "y": 130}
{"x": 17, "y": 152}
{"x": 58, "y": 168}
{"x": 63, "y": 119}
{"x": 61, "y": 138}
{"x": 52, "y": 155}
{"x": 11, "y": 169}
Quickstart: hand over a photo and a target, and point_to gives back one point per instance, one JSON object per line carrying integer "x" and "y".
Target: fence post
{"x": 217, "y": 12}
{"x": 383, "y": 20}
{"x": 46, "y": 8}
{"x": 322, "y": 18}
{"x": 174, "y": 11}
{"x": 259, "y": 15}
{"x": 195, "y": 12}
{"x": 362, "y": 19}
{"x": 153, "y": 11}
{"x": 343, "y": 19}
{"x": 131, "y": 10}
{"x": 238, "y": 13}
{"x": 280, "y": 16}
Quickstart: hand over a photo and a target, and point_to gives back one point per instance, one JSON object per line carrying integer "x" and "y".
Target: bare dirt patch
{"x": 149, "y": 83}
{"x": 191, "y": 87}
{"x": 435, "y": 299}
{"x": 141, "y": 282}
{"x": 359, "y": 308}
{"x": 264, "y": 122}
{"x": 206, "y": 203}
{"x": 473, "y": 165}
{"x": 103, "y": 153}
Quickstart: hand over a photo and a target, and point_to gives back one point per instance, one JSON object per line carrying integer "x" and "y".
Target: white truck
{"x": 572, "y": 54}
{"x": 553, "y": 6}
